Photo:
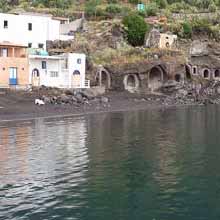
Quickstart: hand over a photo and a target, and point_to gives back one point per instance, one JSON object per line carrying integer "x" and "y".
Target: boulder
{"x": 64, "y": 98}
{"x": 104, "y": 99}
{"x": 79, "y": 97}
{"x": 88, "y": 94}
{"x": 199, "y": 48}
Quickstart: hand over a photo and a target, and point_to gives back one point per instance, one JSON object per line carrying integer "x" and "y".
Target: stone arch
{"x": 188, "y": 70}
{"x": 104, "y": 78}
{"x": 156, "y": 78}
{"x": 131, "y": 82}
{"x": 216, "y": 73}
{"x": 206, "y": 73}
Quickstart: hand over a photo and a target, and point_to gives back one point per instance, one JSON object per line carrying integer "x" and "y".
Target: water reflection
{"x": 40, "y": 162}
{"x": 158, "y": 164}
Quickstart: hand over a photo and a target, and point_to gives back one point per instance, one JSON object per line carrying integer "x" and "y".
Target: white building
{"x": 63, "y": 71}
{"x": 32, "y": 30}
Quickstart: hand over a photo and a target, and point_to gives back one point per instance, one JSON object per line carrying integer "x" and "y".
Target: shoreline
{"x": 21, "y": 107}
{"x": 31, "y": 116}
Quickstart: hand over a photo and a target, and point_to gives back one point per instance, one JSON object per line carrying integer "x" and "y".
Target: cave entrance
{"x": 217, "y": 74}
{"x": 156, "y": 78}
{"x": 177, "y": 77}
{"x": 188, "y": 72}
{"x": 206, "y": 73}
{"x": 131, "y": 82}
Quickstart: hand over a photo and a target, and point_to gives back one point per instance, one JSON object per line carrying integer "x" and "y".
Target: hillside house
{"x": 13, "y": 66}
{"x": 31, "y": 29}
{"x": 63, "y": 71}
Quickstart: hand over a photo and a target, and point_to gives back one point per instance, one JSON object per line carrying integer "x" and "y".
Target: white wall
{"x": 55, "y": 63}
{"x": 73, "y": 65}
{"x": 43, "y": 28}
{"x": 45, "y": 74}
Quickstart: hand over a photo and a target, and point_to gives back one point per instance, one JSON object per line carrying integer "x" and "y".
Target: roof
{"x": 61, "y": 18}
{"x": 9, "y": 44}
{"x": 44, "y": 57}
{"x": 35, "y": 14}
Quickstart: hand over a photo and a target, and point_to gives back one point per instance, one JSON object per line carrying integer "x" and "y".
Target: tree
{"x": 136, "y": 29}
{"x": 91, "y": 7}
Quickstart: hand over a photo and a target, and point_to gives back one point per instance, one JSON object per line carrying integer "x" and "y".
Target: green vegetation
{"x": 186, "y": 25}
{"x": 136, "y": 29}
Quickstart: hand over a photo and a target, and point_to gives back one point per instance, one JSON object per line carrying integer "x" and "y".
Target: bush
{"x": 151, "y": 9}
{"x": 133, "y": 1}
{"x": 112, "y": 1}
{"x": 187, "y": 30}
{"x": 91, "y": 7}
{"x": 212, "y": 7}
{"x": 178, "y": 7}
{"x": 113, "y": 9}
{"x": 201, "y": 25}
{"x": 136, "y": 29}
{"x": 161, "y": 3}
{"x": 125, "y": 11}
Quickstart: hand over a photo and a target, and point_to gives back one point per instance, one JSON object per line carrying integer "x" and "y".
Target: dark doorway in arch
{"x": 177, "y": 77}
{"x": 217, "y": 74}
{"x": 35, "y": 73}
{"x": 131, "y": 81}
{"x": 156, "y": 78}
{"x": 76, "y": 72}
{"x": 105, "y": 79}
{"x": 35, "y": 77}
{"x": 188, "y": 72}
{"x": 206, "y": 74}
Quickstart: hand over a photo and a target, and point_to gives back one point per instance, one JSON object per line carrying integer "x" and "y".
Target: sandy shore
{"x": 14, "y": 106}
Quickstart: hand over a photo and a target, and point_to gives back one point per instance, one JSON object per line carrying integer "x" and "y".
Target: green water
{"x": 153, "y": 165}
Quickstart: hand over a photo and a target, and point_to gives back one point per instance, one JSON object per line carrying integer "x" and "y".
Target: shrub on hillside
{"x": 113, "y": 9}
{"x": 133, "y": 1}
{"x": 161, "y": 3}
{"x": 136, "y": 29}
{"x": 187, "y": 30}
{"x": 91, "y": 7}
{"x": 112, "y": 1}
{"x": 151, "y": 9}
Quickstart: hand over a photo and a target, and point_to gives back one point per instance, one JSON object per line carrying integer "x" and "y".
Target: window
{"x": 29, "y": 45}
{"x": 5, "y": 24}
{"x": 44, "y": 65}
{"x": 30, "y": 26}
{"x": 4, "y": 52}
{"x": 194, "y": 70}
{"x": 41, "y": 46}
{"x": 54, "y": 74}
{"x": 79, "y": 61}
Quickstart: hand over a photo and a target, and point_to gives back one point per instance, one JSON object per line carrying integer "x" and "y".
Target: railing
{"x": 87, "y": 83}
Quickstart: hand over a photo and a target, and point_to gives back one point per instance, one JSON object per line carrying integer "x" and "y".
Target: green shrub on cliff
{"x": 151, "y": 9}
{"x": 187, "y": 29}
{"x": 113, "y": 9}
{"x": 136, "y": 29}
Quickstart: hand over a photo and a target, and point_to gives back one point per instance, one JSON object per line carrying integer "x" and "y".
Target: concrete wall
{"x": 65, "y": 77}
{"x": 72, "y": 26}
{"x": 45, "y": 78}
{"x": 43, "y": 28}
{"x": 167, "y": 41}
{"x": 22, "y": 70}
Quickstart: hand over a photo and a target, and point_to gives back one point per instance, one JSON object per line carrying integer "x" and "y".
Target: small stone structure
{"x": 155, "y": 39}
{"x": 204, "y": 61}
